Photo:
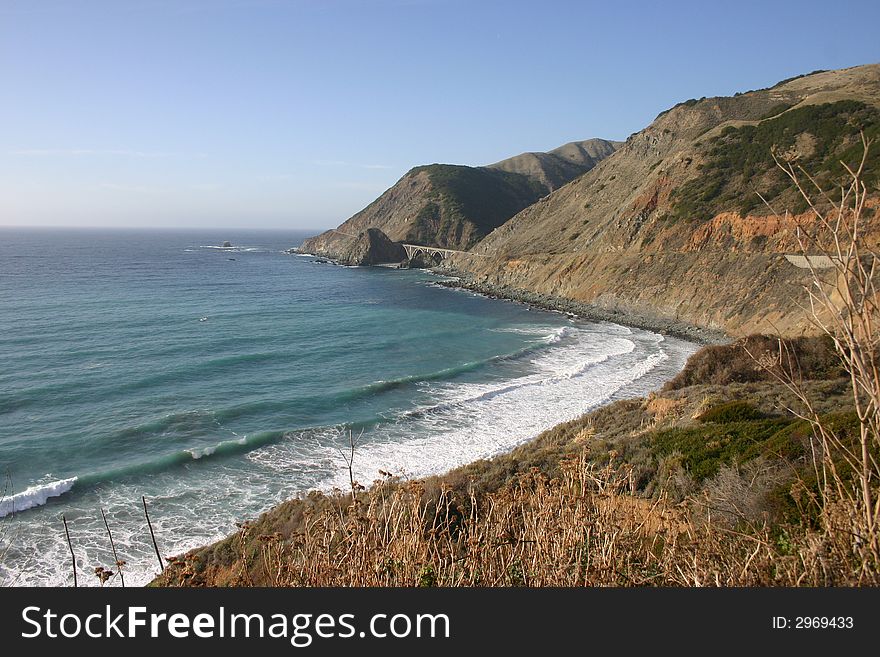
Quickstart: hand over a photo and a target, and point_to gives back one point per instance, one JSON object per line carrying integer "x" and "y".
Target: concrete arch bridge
{"x": 434, "y": 253}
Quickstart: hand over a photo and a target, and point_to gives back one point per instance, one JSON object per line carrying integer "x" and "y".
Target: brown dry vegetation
{"x": 812, "y": 357}
{"x": 581, "y": 528}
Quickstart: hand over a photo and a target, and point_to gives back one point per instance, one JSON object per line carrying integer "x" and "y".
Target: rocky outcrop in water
{"x": 371, "y": 247}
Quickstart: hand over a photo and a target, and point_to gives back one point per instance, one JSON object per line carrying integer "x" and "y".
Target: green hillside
{"x": 462, "y": 195}
{"x": 739, "y": 161}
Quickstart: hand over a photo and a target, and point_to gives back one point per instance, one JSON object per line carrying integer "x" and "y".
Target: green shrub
{"x": 734, "y": 411}
{"x": 798, "y": 77}
{"x": 740, "y": 160}
{"x": 687, "y": 103}
{"x": 790, "y": 442}
{"x": 805, "y": 357}
{"x": 427, "y": 577}
{"x": 704, "y": 449}
{"x": 797, "y": 502}
{"x": 776, "y": 110}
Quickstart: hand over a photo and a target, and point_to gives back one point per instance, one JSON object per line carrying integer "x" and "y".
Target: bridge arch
{"x": 435, "y": 253}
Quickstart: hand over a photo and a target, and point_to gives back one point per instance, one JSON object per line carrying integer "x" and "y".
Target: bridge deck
{"x": 413, "y": 249}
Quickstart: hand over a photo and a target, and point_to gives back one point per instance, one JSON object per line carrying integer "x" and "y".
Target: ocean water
{"x": 218, "y": 382}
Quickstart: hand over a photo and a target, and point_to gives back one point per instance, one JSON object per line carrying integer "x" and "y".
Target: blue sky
{"x": 297, "y": 113}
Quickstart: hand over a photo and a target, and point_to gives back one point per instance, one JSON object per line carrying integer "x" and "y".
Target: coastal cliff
{"x": 372, "y": 247}
{"x": 672, "y": 227}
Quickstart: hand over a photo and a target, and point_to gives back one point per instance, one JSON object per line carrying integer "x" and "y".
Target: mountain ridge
{"x": 454, "y": 206}
{"x": 561, "y": 165}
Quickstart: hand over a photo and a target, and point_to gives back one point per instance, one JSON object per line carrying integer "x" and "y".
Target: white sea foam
{"x": 466, "y": 421}
{"x": 527, "y": 330}
{"x": 191, "y": 511}
{"x": 35, "y": 495}
{"x": 233, "y": 249}
{"x": 557, "y": 335}
{"x": 483, "y": 421}
{"x": 543, "y": 334}
{"x": 201, "y": 452}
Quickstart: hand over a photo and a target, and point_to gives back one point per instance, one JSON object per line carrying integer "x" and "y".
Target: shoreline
{"x": 674, "y": 328}
{"x": 456, "y": 279}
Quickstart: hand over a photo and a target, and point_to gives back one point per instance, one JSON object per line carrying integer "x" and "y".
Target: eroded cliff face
{"x": 620, "y": 237}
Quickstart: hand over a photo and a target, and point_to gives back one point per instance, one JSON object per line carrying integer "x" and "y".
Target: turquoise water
{"x": 218, "y": 382}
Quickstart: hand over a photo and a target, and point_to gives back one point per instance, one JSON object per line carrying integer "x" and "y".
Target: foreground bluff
{"x": 670, "y": 226}
{"x": 455, "y": 206}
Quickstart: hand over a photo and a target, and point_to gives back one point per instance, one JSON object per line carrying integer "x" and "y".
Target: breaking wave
{"x": 36, "y": 495}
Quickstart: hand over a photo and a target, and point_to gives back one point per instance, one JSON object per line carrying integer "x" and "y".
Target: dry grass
{"x": 583, "y": 528}
{"x": 663, "y": 408}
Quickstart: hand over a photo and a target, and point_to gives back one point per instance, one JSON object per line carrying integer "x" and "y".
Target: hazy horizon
{"x": 162, "y": 229}
{"x": 275, "y": 114}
